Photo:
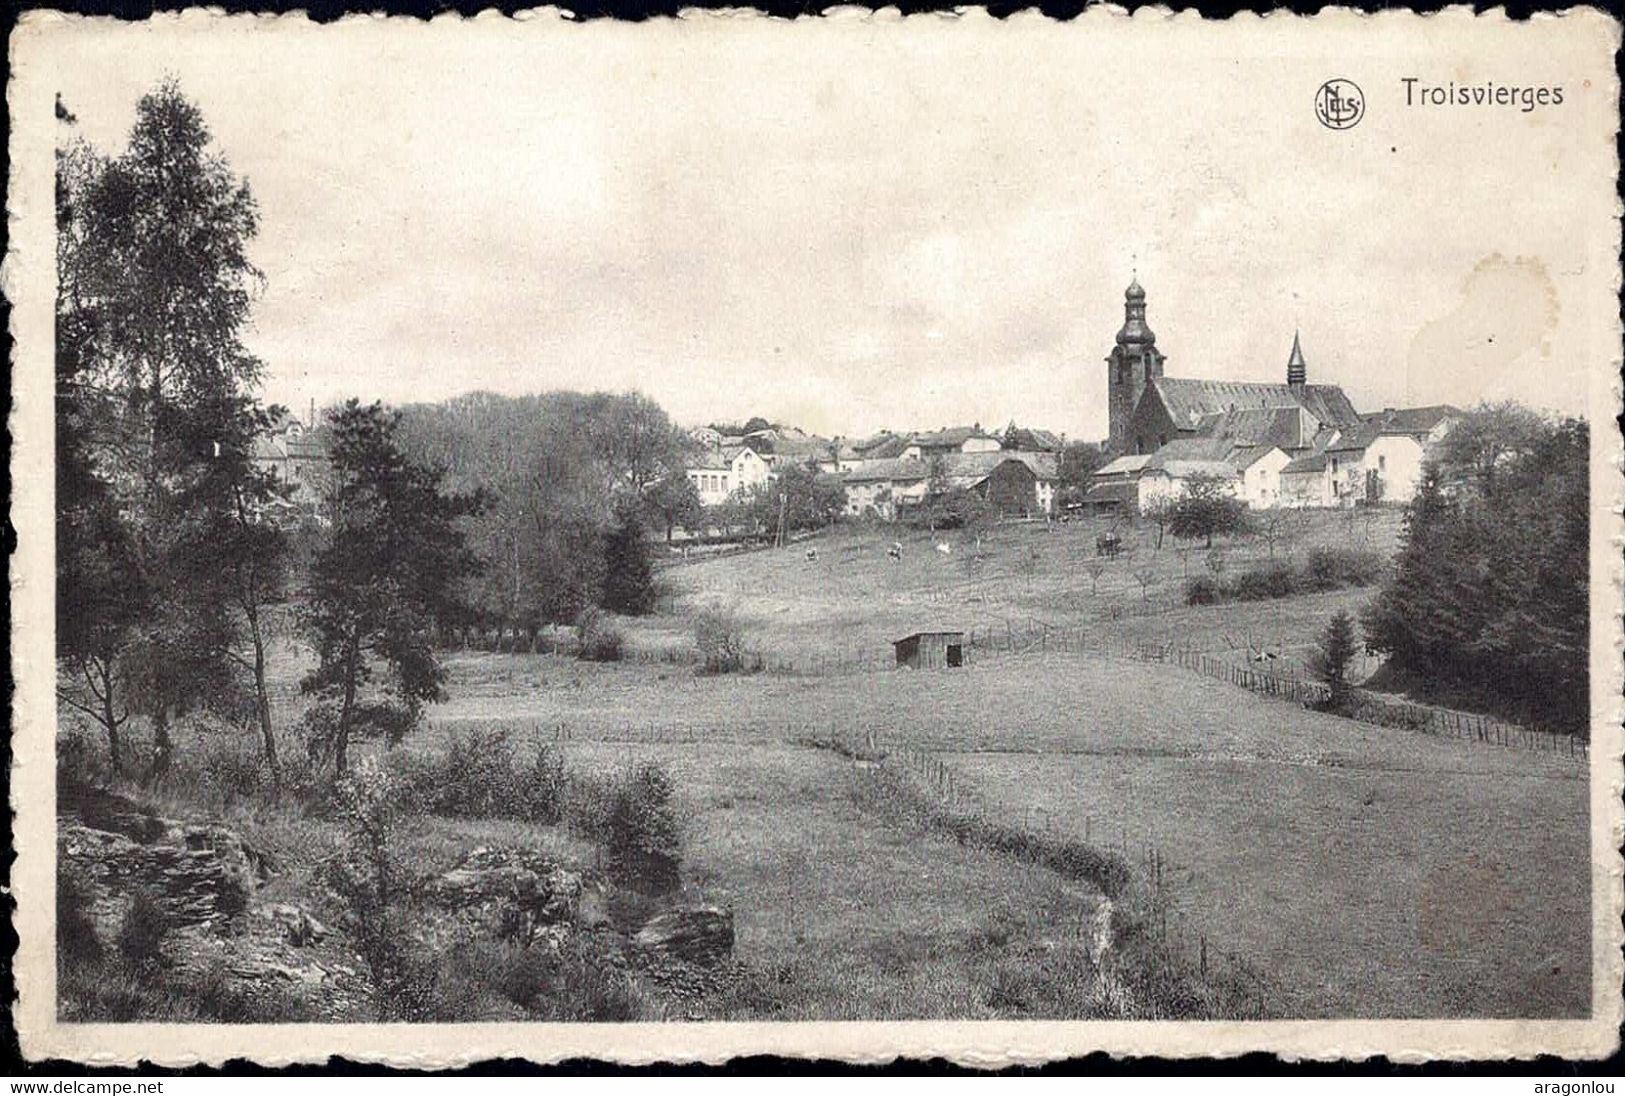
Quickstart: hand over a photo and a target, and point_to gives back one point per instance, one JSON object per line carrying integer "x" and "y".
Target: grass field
{"x": 1368, "y": 870}
{"x": 1365, "y": 871}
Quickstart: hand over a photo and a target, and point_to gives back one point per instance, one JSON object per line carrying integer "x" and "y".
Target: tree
{"x": 1486, "y": 438}
{"x": 1080, "y": 460}
{"x": 389, "y": 571}
{"x": 1205, "y": 506}
{"x": 1331, "y": 659}
{"x": 1489, "y": 593}
{"x": 629, "y": 585}
{"x": 1159, "y": 510}
{"x": 154, "y": 288}
{"x": 250, "y": 552}
{"x": 674, "y": 501}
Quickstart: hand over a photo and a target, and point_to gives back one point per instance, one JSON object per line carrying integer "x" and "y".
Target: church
{"x": 1279, "y": 444}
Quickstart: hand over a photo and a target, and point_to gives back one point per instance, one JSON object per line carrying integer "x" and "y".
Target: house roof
{"x": 949, "y": 632}
{"x": 969, "y": 469}
{"x": 876, "y": 471}
{"x": 1031, "y": 439}
{"x": 1121, "y": 491}
{"x": 1249, "y": 457}
{"x": 887, "y": 448}
{"x": 951, "y": 436}
{"x": 1309, "y": 462}
{"x": 1188, "y": 401}
{"x": 1129, "y": 464}
{"x": 1410, "y": 420}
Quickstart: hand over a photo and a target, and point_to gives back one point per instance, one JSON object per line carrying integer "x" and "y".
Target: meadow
{"x": 1359, "y": 870}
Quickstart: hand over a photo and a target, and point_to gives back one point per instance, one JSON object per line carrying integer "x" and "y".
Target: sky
{"x": 850, "y": 226}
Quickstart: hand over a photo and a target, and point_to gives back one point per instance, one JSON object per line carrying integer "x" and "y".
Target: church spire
{"x": 1297, "y": 370}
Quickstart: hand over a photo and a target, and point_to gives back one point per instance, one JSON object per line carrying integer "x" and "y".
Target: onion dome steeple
{"x": 1135, "y": 332}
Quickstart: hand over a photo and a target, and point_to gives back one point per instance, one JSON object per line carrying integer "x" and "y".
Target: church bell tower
{"x": 1134, "y": 362}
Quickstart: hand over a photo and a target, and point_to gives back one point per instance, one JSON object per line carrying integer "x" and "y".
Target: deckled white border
{"x": 43, "y": 41}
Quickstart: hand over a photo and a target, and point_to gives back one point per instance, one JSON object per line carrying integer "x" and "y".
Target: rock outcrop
{"x": 694, "y": 934}
{"x": 505, "y": 892}
{"x": 274, "y": 960}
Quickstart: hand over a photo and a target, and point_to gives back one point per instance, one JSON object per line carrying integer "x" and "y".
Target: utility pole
{"x": 778, "y": 539}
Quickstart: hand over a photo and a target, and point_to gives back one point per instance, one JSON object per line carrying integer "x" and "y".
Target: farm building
{"x": 931, "y": 650}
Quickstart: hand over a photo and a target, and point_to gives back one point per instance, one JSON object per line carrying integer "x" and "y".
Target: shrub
{"x": 1330, "y": 568}
{"x": 598, "y": 640}
{"x": 1203, "y": 590}
{"x": 479, "y": 777}
{"x": 643, "y": 838}
{"x": 141, "y": 933}
{"x": 76, "y": 939}
{"x": 721, "y": 641}
{"x": 1262, "y": 583}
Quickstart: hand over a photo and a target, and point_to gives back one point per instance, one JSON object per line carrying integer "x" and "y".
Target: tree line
{"x": 1490, "y": 596}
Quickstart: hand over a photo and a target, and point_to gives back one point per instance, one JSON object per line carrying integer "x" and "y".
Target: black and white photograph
{"x": 1001, "y": 526}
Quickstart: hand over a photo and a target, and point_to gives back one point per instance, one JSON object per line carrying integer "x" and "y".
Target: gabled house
{"x": 955, "y": 439}
{"x": 723, "y": 472}
{"x": 296, "y": 453}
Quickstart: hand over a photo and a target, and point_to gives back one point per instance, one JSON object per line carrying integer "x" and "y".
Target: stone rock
{"x": 295, "y": 923}
{"x": 506, "y": 892}
{"x": 193, "y": 885}
{"x": 320, "y": 981}
{"x": 695, "y": 934}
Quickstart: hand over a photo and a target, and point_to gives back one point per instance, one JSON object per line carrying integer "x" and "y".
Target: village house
{"x": 955, "y": 439}
{"x": 296, "y": 453}
{"x": 884, "y": 489}
{"x": 718, "y": 474}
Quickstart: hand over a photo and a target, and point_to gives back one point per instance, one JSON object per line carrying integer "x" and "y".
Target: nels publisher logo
{"x": 1339, "y": 104}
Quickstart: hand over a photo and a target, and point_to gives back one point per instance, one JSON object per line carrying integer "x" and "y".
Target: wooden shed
{"x": 931, "y": 650}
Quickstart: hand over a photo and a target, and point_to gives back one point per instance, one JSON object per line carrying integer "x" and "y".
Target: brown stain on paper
{"x": 1507, "y": 312}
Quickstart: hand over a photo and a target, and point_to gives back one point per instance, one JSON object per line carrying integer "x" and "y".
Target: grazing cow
{"x": 895, "y": 552}
{"x": 945, "y": 549}
{"x": 812, "y": 554}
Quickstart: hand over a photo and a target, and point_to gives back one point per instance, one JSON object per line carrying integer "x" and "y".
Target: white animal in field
{"x": 945, "y": 548}
{"x": 895, "y": 552}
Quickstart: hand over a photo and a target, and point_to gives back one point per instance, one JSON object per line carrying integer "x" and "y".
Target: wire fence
{"x": 1231, "y": 985}
{"x": 1030, "y": 634}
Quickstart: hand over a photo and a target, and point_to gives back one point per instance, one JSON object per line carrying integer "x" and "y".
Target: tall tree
{"x": 629, "y": 585}
{"x": 155, "y": 290}
{"x": 391, "y": 568}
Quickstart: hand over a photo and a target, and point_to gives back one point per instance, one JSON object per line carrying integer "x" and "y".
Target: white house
{"x": 1260, "y": 469}
{"x": 956, "y": 439}
{"x": 881, "y": 488}
{"x": 723, "y": 472}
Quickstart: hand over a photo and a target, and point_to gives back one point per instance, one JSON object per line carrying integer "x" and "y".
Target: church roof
{"x": 1282, "y": 426}
{"x": 1188, "y": 401}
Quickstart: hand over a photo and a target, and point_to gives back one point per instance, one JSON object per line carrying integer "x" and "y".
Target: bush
{"x": 1270, "y": 581}
{"x": 720, "y": 638}
{"x": 645, "y": 847}
{"x": 598, "y": 640}
{"x": 479, "y": 777}
{"x": 1204, "y": 590}
{"x": 1330, "y": 568}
